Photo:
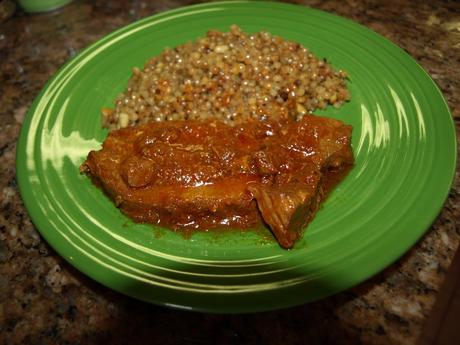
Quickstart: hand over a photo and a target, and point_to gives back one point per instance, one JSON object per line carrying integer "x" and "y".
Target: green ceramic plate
{"x": 404, "y": 142}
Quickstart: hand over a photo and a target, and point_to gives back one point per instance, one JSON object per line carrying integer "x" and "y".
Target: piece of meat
{"x": 205, "y": 174}
{"x": 288, "y": 207}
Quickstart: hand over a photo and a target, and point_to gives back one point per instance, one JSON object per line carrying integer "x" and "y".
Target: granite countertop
{"x": 43, "y": 300}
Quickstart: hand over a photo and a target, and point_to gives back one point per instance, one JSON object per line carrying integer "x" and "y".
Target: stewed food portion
{"x": 204, "y": 174}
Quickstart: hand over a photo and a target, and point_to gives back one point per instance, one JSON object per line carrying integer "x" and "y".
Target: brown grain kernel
{"x": 231, "y": 76}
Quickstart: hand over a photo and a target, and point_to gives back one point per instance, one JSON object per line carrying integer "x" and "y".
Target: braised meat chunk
{"x": 206, "y": 174}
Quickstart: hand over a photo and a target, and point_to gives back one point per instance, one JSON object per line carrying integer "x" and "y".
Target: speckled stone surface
{"x": 43, "y": 300}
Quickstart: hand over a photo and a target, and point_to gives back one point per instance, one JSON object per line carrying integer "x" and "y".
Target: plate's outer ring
{"x": 251, "y": 287}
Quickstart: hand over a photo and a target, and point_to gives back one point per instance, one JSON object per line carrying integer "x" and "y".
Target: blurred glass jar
{"x": 34, "y": 6}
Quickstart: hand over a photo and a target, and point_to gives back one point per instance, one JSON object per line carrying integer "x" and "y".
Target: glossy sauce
{"x": 204, "y": 175}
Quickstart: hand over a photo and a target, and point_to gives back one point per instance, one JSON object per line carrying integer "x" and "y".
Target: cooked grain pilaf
{"x": 231, "y": 76}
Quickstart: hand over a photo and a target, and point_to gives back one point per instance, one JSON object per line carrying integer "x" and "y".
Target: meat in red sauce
{"x": 205, "y": 174}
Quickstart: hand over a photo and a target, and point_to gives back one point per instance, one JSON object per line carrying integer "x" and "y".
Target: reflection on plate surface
{"x": 400, "y": 120}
